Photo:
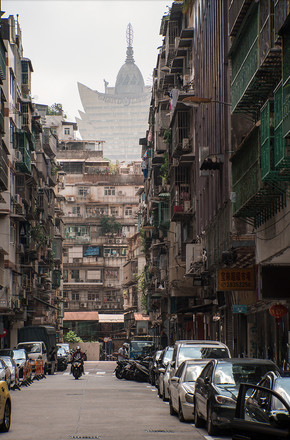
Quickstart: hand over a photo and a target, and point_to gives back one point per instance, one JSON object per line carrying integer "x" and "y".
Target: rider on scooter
{"x": 78, "y": 355}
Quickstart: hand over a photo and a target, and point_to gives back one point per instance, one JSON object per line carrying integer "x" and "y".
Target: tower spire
{"x": 129, "y": 38}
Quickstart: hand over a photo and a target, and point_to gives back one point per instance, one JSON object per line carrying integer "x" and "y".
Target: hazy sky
{"x": 84, "y": 41}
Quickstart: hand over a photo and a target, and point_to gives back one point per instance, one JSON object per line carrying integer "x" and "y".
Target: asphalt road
{"x": 97, "y": 406}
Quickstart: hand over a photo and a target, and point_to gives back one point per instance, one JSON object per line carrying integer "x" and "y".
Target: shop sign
{"x": 236, "y": 279}
{"x": 239, "y": 308}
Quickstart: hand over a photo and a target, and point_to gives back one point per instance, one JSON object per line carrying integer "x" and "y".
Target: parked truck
{"x": 40, "y": 343}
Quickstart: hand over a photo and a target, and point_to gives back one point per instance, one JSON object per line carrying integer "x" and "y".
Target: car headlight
{"x": 223, "y": 400}
{"x": 189, "y": 398}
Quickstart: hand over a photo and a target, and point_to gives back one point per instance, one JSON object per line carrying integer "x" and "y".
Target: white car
{"x": 181, "y": 389}
{"x": 164, "y": 360}
{"x": 5, "y": 373}
{"x": 14, "y": 370}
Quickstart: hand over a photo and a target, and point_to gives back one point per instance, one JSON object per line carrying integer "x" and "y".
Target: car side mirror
{"x": 207, "y": 380}
{"x": 280, "y": 419}
{"x": 174, "y": 379}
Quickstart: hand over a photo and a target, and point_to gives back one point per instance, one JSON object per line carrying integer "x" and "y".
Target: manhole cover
{"x": 167, "y": 431}
{"x": 84, "y": 436}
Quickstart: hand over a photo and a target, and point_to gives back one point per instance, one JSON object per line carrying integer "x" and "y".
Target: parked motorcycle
{"x": 77, "y": 369}
{"x": 119, "y": 370}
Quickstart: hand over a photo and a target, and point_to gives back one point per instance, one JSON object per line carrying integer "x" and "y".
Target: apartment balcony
{"x": 255, "y": 201}
{"x": 130, "y": 272}
{"x": 22, "y": 154}
{"x": 23, "y": 161}
{"x": 49, "y": 142}
{"x": 3, "y": 168}
{"x": 2, "y": 121}
{"x": 2, "y": 61}
{"x": 256, "y": 61}
{"x": 237, "y": 12}
{"x": 275, "y": 151}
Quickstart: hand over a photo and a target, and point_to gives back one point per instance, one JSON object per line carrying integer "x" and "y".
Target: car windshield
{"x": 234, "y": 374}
{"x": 168, "y": 356}
{"x": 61, "y": 351}
{"x": 140, "y": 346}
{"x": 282, "y": 387}
{"x": 7, "y": 361}
{"x": 192, "y": 372}
{"x": 194, "y": 352}
{"x": 19, "y": 355}
{"x": 32, "y": 348}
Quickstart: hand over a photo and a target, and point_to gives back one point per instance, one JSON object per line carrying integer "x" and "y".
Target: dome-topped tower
{"x": 129, "y": 80}
{"x": 120, "y": 115}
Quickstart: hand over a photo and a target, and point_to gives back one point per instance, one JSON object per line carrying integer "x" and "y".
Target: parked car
{"x": 153, "y": 367}
{"x": 164, "y": 360}
{"x": 14, "y": 370}
{"x": 66, "y": 347}
{"x": 216, "y": 389}
{"x": 197, "y": 349}
{"x": 181, "y": 389}
{"x": 265, "y": 413}
{"x": 22, "y": 361}
{"x": 5, "y": 407}
{"x": 5, "y": 373}
{"x": 165, "y": 383}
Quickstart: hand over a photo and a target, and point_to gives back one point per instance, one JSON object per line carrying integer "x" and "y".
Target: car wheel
{"x": 180, "y": 413}
{"x": 211, "y": 429}
{"x": 5, "y": 425}
{"x": 165, "y": 399}
{"x": 198, "y": 421}
{"x": 171, "y": 409}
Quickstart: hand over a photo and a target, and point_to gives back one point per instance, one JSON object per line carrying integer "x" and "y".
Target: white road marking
{"x": 100, "y": 372}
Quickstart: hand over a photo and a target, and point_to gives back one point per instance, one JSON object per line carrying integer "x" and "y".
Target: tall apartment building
{"x": 123, "y": 108}
{"x": 216, "y": 165}
{"x": 99, "y": 216}
{"x": 30, "y": 238}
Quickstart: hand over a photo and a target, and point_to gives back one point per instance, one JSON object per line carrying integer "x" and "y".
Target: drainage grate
{"x": 167, "y": 431}
{"x": 84, "y": 436}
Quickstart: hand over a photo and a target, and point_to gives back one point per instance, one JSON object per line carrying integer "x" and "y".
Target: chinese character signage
{"x": 236, "y": 279}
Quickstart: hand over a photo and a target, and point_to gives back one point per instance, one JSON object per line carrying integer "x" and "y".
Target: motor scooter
{"x": 77, "y": 368}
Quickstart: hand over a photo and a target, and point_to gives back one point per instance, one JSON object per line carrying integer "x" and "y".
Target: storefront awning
{"x": 81, "y": 316}
{"x": 106, "y": 318}
{"x": 140, "y": 317}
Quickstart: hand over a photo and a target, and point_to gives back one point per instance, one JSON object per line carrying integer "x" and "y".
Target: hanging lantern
{"x": 278, "y": 311}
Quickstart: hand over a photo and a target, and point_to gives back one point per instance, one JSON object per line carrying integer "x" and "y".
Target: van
{"x": 36, "y": 350}
{"x": 197, "y": 349}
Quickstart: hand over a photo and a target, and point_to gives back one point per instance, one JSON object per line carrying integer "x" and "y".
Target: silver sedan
{"x": 181, "y": 389}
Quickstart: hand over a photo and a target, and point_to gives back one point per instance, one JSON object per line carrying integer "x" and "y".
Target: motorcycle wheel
{"x": 119, "y": 374}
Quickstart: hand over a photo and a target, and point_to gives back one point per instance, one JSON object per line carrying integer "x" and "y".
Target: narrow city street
{"x": 97, "y": 406}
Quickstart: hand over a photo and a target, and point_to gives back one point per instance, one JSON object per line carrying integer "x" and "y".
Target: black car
{"x": 62, "y": 359}
{"x": 217, "y": 387}
{"x": 263, "y": 410}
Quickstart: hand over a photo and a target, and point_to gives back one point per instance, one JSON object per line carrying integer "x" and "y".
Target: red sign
{"x": 4, "y": 333}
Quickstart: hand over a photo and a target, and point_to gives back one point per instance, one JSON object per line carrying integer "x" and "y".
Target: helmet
{"x": 78, "y": 348}
{"x": 126, "y": 345}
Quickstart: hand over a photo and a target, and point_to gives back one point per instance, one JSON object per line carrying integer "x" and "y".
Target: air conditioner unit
{"x": 18, "y": 156}
{"x": 33, "y": 156}
{"x": 185, "y": 144}
{"x": 70, "y": 199}
{"x": 194, "y": 254}
{"x": 17, "y": 199}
